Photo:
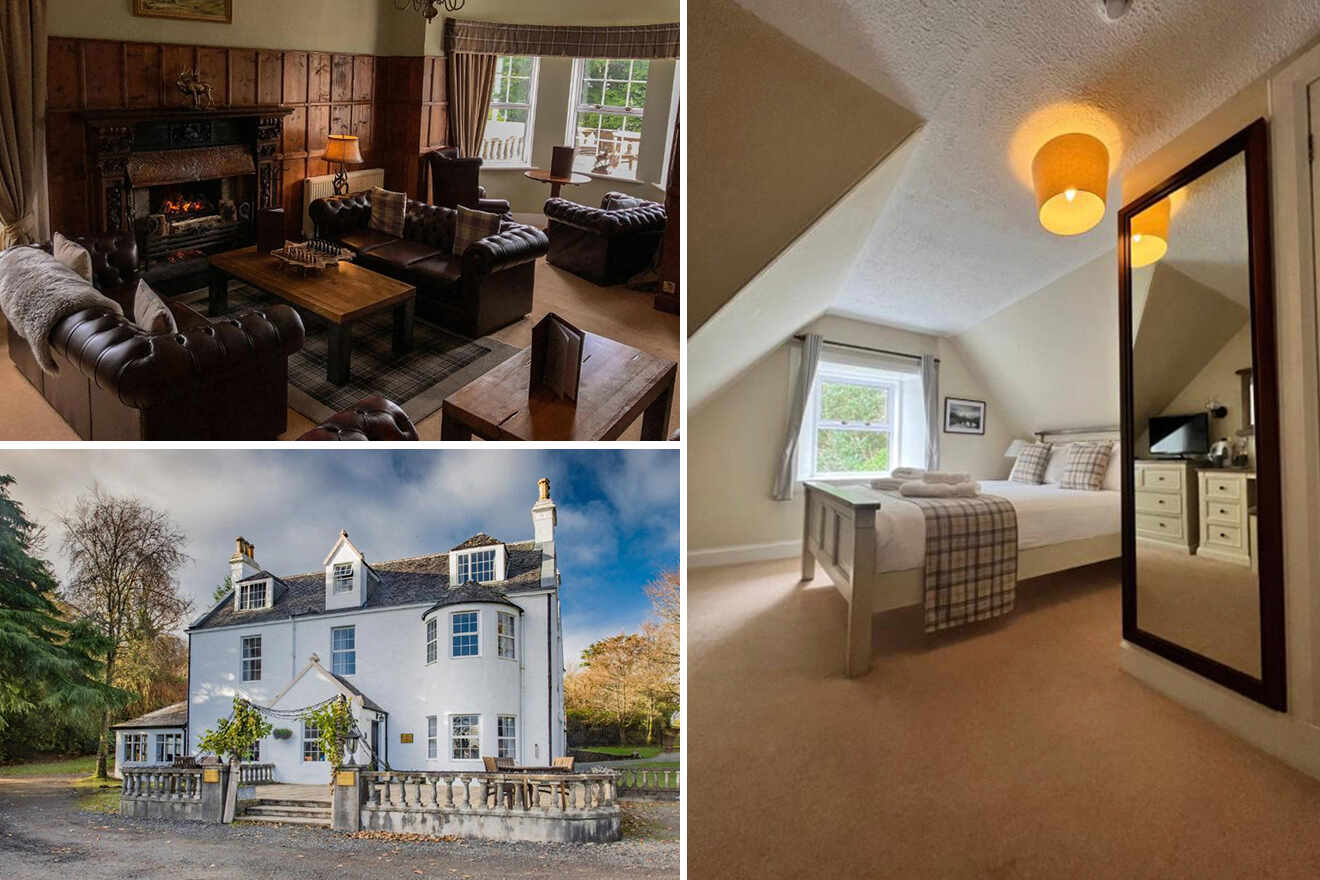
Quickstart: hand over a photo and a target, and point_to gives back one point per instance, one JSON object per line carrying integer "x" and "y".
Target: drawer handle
{"x": 1162, "y": 525}
{"x": 1222, "y": 535}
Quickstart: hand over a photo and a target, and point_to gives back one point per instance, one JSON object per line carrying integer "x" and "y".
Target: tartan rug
{"x": 440, "y": 362}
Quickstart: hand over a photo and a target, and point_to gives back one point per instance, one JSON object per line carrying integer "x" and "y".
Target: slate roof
{"x": 367, "y": 701}
{"x": 261, "y": 576}
{"x": 409, "y": 581}
{"x": 464, "y": 594}
{"x": 173, "y": 715}
{"x": 480, "y": 539}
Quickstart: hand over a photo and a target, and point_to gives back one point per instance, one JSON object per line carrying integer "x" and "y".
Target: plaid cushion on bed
{"x": 1030, "y": 464}
{"x": 472, "y": 226}
{"x": 1085, "y": 466}
{"x": 387, "y": 211}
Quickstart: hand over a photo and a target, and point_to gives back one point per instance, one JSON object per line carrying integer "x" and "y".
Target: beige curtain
{"x": 23, "y": 210}
{"x": 471, "y": 78}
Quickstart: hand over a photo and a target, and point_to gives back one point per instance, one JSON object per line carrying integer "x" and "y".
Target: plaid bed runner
{"x": 971, "y": 559}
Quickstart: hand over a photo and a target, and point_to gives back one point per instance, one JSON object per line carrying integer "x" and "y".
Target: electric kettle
{"x": 1220, "y": 453}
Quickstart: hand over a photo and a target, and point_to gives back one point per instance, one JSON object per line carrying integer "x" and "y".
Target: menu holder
{"x": 557, "y": 357}
{"x": 561, "y": 161}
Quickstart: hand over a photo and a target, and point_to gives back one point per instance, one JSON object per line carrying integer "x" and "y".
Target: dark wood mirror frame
{"x": 1270, "y": 689}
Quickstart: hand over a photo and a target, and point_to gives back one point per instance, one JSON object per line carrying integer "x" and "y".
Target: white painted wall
{"x": 152, "y": 733}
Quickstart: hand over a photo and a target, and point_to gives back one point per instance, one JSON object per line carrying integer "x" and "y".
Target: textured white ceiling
{"x": 1208, "y": 231}
{"x": 959, "y": 239}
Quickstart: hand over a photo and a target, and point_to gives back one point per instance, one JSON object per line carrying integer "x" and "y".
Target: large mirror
{"x": 1202, "y": 561}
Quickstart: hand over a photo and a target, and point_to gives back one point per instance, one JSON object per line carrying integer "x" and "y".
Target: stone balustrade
{"x": 649, "y": 783}
{"x": 162, "y": 783}
{"x": 172, "y": 793}
{"x": 256, "y": 774}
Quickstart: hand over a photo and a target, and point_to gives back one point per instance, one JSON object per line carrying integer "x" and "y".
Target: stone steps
{"x": 284, "y": 820}
{"x": 292, "y": 812}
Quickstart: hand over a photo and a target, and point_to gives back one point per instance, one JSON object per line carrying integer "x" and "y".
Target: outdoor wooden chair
{"x": 565, "y": 763}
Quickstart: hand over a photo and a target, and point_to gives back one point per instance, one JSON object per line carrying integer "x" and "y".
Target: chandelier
{"x": 430, "y": 8}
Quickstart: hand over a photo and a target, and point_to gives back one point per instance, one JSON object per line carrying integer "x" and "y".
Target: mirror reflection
{"x": 1194, "y": 470}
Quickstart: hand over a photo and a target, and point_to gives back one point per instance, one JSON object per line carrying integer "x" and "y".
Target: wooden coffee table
{"x": 342, "y": 296}
{"x": 618, "y": 384}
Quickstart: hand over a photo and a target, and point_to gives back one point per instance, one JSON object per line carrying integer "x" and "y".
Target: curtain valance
{"x": 565, "y": 41}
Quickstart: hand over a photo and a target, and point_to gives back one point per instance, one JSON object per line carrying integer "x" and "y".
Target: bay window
{"x": 508, "y": 137}
{"x": 609, "y": 103}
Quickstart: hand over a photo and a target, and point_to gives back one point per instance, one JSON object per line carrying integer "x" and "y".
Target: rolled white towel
{"x": 886, "y": 483}
{"x": 907, "y": 473}
{"x": 922, "y": 489}
{"x": 946, "y": 477}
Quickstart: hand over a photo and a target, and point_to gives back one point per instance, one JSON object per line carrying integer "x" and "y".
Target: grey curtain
{"x": 797, "y": 410}
{"x": 930, "y": 390}
{"x": 23, "y": 212}
{"x": 471, "y": 77}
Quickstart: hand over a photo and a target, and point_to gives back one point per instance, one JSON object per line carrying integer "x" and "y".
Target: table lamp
{"x": 342, "y": 148}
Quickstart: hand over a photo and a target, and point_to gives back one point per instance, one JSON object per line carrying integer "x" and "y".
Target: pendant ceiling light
{"x": 430, "y": 8}
{"x": 1070, "y": 174}
{"x": 1150, "y": 234}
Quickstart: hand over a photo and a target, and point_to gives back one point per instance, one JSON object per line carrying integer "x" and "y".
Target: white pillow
{"x": 1114, "y": 473}
{"x": 73, "y": 255}
{"x": 150, "y": 312}
{"x": 1058, "y": 460}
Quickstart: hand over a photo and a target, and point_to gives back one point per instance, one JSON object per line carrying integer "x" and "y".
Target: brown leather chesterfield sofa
{"x": 371, "y": 418}
{"x": 487, "y": 287}
{"x": 604, "y": 247}
{"x": 216, "y": 379}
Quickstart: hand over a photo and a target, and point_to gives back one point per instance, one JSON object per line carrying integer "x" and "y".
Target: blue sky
{"x": 618, "y": 511}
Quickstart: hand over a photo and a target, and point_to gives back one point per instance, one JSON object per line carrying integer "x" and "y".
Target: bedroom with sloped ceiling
{"x": 1003, "y": 439}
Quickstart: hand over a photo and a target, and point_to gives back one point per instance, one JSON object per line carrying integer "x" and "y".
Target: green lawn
{"x": 84, "y": 766}
{"x": 625, "y": 751}
{"x": 98, "y": 797}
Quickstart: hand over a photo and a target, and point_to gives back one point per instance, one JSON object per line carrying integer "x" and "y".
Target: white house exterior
{"x": 445, "y": 658}
{"x": 151, "y": 740}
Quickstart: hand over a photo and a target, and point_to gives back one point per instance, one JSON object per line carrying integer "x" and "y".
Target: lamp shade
{"x": 1015, "y": 448}
{"x": 342, "y": 148}
{"x": 1070, "y": 175}
{"x": 1150, "y": 234}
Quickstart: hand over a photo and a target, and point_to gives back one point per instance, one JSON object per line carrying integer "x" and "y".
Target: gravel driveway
{"x": 44, "y": 835}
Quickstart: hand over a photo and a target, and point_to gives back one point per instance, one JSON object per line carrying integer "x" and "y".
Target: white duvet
{"x": 1046, "y": 515}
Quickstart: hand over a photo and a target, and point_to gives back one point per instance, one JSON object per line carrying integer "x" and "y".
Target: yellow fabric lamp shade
{"x": 343, "y": 148}
{"x": 1070, "y": 174}
{"x": 1150, "y": 234}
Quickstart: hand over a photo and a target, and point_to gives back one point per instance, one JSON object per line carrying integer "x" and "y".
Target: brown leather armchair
{"x": 371, "y": 418}
{"x": 604, "y": 246}
{"x": 221, "y": 379}
{"x": 455, "y": 181}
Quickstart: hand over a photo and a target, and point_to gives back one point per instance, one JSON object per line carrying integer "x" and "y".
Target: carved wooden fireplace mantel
{"x": 121, "y": 141}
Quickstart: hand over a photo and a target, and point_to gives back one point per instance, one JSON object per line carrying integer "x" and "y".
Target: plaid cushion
{"x": 1085, "y": 466}
{"x": 470, "y": 226}
{"x": 387, "y": 211}
{"x": 1030, "y": 464}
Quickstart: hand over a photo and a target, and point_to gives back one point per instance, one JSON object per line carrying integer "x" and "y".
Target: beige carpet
{"x": 1015, "y": 748}
{"x": 616, "y": 312}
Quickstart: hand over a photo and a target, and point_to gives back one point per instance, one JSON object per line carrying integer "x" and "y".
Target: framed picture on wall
{"x": 964, "y": 416}
{"x": 193, "y": 10}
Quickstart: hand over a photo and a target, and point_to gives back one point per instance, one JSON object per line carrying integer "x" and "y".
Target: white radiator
{"x": 319, "y": 187}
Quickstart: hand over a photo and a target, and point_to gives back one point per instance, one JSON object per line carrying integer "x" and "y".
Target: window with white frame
{"x": 135, "y": 748}
{"x": 343, "y": 577}
{"x": 432, "y": 637}
{"x": 465, "y": 635}
{"x": 464, "y": 736}
{"x": 311, "y": 743}
{"x": 506, "y": 625}
{"x": 251, "y": 664}
{"x": 508, "y": 137}
{"x": 254, "y": 753}
{"x": 432, "y": 734}
{"x": 475, "y": 565}
{"x": 168, "y": 746}
{"x": 507, "y": 736}
{"x": 343, "y": 650}
{"x": 252, "y": 596}
{"x": 609, "y": 103}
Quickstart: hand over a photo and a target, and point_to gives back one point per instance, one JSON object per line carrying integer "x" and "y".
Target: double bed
{"x": 872, "y": 544}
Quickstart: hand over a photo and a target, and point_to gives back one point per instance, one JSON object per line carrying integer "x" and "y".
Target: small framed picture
{"x": 192, "y": 10}
{"x": 964, "y": 416}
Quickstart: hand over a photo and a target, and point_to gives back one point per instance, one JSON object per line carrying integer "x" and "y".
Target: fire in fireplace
{"x": 182, "y": 206}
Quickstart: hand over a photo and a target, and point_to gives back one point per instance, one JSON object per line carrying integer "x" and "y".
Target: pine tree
{"x": 222, "y": 590}
{"x": 48, "y": 663}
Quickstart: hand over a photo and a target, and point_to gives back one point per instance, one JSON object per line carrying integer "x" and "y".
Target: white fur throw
{"x": 37, "y": 292}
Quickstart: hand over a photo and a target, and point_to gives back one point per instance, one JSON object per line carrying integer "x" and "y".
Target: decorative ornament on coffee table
{"x": 190, "y": 83}
{"x": 430, "y": 8}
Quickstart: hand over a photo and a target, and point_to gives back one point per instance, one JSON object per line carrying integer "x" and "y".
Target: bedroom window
{"x": 252, "y": 596}
{"x": 508, "y": 138}
{"x": 431, "y": 641}
{"x": 343, "y": 577}
{"x": 343, "y": 650}
{"x": 251, "y": 662}
{"x": 854, "y": 423}
{"x": 505, "y": 624}
{"x": 477, "y": 565}
{"x": 465, "y": 637}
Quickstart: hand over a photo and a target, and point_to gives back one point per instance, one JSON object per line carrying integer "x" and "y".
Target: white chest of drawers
{"x": 1226, "y": 499}
{"x": 1167, "y": 512}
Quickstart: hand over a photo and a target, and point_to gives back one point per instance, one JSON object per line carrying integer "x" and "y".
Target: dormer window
{"x": 477, "y": 565}
{"x": 343, "y": 577}
{"x": 252, "y": 596}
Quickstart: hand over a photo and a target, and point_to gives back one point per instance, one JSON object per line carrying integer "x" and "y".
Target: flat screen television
{"x": 1180, "y": 435}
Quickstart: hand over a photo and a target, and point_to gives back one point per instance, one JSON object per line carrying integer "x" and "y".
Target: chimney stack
{"x": 244, "y": 562}
{"x": 544, "y": 518}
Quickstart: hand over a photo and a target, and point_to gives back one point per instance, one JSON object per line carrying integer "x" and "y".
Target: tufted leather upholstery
{"x": 605, "y": 247}
{"x": 225, "y": 378}
{"x": 454, "y": 181}
{"x": 372, "y": 418}
{"x": 489, "y": 286}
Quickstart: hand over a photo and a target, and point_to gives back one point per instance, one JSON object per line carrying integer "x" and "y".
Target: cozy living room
{"x": 339, "y": 220}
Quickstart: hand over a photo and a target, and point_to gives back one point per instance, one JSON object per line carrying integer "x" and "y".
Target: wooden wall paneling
{"x": 270, "y": 77}
{"x": 341, "y": 119}
{"x": 318, "y": 85}
{"x": 103, "y": 73}
{"x": 294, "y": 172}
{"x": 142, "y": 80}
{"x": 242, "y": 77}
{"x": 438, "y": 90}
{"x": 341, "y": 79}
{"x": 295, "y": 78}
{"x": 362, "y": 117}
{"x": 295, "y": 131}
{"x": 318, "y": 167}
{"x": 318, "y": 125}
{"x": 213, "y": 68}
{"x": 63, "y": 76}
{"x": 428, "y": 78}
{"x": 173, "y": 60}
{"x": 439, "y": 125}
{"x": 363, "y": 78}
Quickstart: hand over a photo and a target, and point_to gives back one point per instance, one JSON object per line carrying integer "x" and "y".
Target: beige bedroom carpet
{"x": 1015, "y": 748}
